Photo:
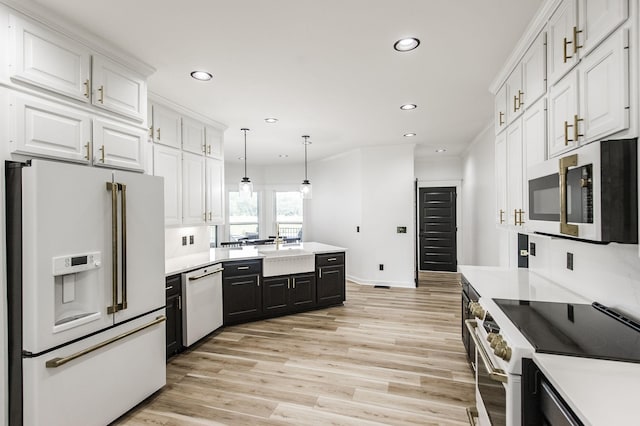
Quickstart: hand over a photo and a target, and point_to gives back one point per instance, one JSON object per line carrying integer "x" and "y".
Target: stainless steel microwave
{"x": 591, "y": 193}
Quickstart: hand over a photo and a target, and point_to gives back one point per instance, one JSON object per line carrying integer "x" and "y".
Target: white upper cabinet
{"x": 193, "y": 191}
{"x": 214, "y": 191}
{"x": 563, "y": 115}
{"x": 49, "y": 60}
{"x": 501, "y": 178}
{"x": 118, "y": 89}
{"x": 500, "y": 108}
{"x": 515, "y": 172}
{"x": 214, "y": 142}
{"x": 534, "y": 134}
{"x": 48, "y": 129}
{"x": 604, "y": 89}
{"x": 598, "y": 19}
{"x": 515, "y": 94}
{"x": 534, "y": 71}
{"x": 117, "y": 145}
{"x": 167, "y": 162}
{"x": 562, "y": 41}
{"x": 166, "y": 126}
{"x": 193, "y": 136}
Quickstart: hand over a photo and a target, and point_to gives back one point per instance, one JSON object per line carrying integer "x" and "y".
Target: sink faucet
{"x": 277, "y": 236}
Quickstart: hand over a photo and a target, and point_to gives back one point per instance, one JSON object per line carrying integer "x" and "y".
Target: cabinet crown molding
{"x": 156, "y": 98}
{"x": 536, "y": 25}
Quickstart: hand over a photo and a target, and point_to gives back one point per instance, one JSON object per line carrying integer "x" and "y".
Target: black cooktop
{"x": 591, "y": 331}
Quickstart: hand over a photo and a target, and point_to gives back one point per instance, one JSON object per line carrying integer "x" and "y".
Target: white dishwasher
{"x": 202, "y": 297}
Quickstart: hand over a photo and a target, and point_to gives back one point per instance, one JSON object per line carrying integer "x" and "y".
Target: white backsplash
{"x": 173, "y": 241}
{"x": 609, "y": 274}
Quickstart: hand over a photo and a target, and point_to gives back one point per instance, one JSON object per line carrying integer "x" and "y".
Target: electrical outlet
{"x": 184, "y": 240}
{"x": 570, "y": 261}
{"x": 381, "y": 267}
{"x": 357, "y": 229}
{"x": 190, "y": 239}
{"x": 532, "y": 249}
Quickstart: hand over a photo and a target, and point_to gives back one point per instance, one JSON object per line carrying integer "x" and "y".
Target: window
{"x": 243, "y": 216}
{"x": 289, "y": 214}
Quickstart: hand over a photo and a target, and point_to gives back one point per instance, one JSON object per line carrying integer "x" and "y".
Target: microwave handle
{"x": 565, "y": 163}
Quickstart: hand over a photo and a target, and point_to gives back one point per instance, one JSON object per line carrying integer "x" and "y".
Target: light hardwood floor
{"x": 388, "y": 356}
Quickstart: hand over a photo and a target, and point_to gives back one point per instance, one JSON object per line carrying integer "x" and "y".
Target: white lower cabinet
{"x": 117, "y": 145}
{"x": 214, "y": 191}
{"x": 501, "y": 178}
{"x": 167, "y": 162}
{"x": 193, "y": 194}
{"x": 48, "y": 129}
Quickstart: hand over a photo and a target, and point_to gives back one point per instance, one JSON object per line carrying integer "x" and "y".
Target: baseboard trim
{"x": 398, "y": 284}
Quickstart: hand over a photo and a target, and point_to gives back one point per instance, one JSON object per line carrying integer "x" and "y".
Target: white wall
{"x": 481, "y": 237}
{"x": 439, "y": 168}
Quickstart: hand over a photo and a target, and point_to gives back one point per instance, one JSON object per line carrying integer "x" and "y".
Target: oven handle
{"x": 565, "y": 227}
{"x": 495, "y": 373}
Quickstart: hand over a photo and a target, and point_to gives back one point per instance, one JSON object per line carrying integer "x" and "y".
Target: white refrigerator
{"x": 86, "y": 299}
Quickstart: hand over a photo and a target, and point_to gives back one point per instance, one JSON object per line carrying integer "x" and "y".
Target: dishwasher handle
{"x": 206, "y": 274}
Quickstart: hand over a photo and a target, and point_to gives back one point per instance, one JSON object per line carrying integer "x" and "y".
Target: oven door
{"x": 491, "y": 395}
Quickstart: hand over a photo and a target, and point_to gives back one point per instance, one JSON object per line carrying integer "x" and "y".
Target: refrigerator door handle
{"x": 58, "y": 362}
{"x": 113, "y": 187}
{"x": 123, "y": 206}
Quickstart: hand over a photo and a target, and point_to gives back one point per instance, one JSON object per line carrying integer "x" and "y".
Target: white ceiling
{"x": 326, "y": 68}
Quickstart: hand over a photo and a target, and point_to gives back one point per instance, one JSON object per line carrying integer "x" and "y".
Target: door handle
{"x": 565, "y": 163}
{"x": 111, "y": 186}
{"x": 495, "y": 373}
{"x": 123, "y": 213}
{"x": 206, "y": 274}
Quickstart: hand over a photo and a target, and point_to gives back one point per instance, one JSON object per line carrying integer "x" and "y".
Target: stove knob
{"x": 503, "y": 351}
{"x": 496, "y": 341}
{"x": 491, "y": 336}
{"x": 477, "y": 311}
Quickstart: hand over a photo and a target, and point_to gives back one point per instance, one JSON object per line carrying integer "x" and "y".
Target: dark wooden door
{"x": 173, "y": 290}
{"x": 241, "y": 298}
{"x": 438, "y": 229}
{"x": 275, "y": 295}
{"x": 330, "y": 287}
{"x": 303, "y": 291}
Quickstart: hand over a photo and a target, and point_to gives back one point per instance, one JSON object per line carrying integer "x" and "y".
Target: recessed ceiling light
{"x": 409, "y": 135}
{"x": 407, "y": 107}
{"x": 283, "y": 155}
{"x": 406, "y": 44}
{"x": 201, "y": 75}
{"x": 441, "y": 150}
{"x": 271, "y": 120}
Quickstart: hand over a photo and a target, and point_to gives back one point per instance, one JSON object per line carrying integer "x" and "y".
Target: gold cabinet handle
{"x": 204, "y": 216}
{"x": 576, "y": 133}
{"x": 575, "y": 39}
{"x": 501, "y": 216}
{"x": 294, "y": 283}
{"x": 520, "y": 103}
{"x": 520, "y": 213}
{"x": 86, "y": 88}
{"x": 208, "y": 149}
{"x": 515, "y": 216}
{"x": 102, "y": 153}
{"x": 58, "y": 362}
{"x": 158, "y": 132}
{"x": 88, "y": 148}
{"x": 101, "y": 98}
{"x": 565, "y": 163}
{"x": 204, "y": 148}
{"x": 501, "y": 118}
{"x": 564, "y": 50}
{"x": 210, "y": 216}
{"x": 566, "y": 133}
{"x": 151, "y": 132}
{"x": 515, "y": 103}
{"x": 288, "y": 284}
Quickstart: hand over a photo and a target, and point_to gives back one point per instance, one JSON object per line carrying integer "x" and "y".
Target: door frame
{"x": 437, "y": 184}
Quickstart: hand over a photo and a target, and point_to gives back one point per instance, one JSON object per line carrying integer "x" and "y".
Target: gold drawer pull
{"x": 101, "y": 98}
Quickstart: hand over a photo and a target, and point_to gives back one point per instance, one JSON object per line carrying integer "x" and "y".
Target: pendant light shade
{"x": 245, "y": 187}
{"x": 306, "y": 190}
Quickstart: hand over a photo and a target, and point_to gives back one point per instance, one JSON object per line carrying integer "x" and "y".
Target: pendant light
{"x": 245, "y": 186}
{"x": 305, "y": 186}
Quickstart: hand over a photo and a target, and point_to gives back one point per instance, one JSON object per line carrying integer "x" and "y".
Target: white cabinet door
{"x": 193, "y": 200}
{"x": 563, "y": 108}
{"x": 167, "y": 162}
{"x": 117, "y": 145}
{"x": 604, "y": 88}
{"x": 534, "y": 71}
{"x": 214, "y": 142}
{"x": 193, "y": 136}
{"x": 166, "y": 127}
{"x": 598, "y": 19}
{"x": 501, "y": 178}
{"x": 561, "y": 56}
{"x": 118, "y": 89}
{"x": 514, "y": 94}
{"x": 500, "y": 108}
{"x": 514, "y": 173}
{"x": 48, "y": 59}
{"x": 43, "y": 128}
{"x": 534, "y": 134}
{"x": 215, "y": 191}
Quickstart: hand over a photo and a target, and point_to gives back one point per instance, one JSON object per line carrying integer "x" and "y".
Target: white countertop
{"x": 190, "y": 262}
{"x": 599, "y": 392}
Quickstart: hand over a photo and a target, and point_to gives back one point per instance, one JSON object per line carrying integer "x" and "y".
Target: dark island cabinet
{"x": 303, "y": 291}
{"x": 288, "y": 294}
{"x": 330, "y": 275}
{"x": 173, "y": 289}
{"x": 241, "y": 291}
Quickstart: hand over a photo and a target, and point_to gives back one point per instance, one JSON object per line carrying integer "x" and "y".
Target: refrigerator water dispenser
{"x": 77, "y": 289}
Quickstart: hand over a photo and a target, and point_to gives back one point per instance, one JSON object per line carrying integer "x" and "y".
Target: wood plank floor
{"x": 388, "y": 356}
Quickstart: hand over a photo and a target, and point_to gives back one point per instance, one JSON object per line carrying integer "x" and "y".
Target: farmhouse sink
{"x": 286, "y": 261}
